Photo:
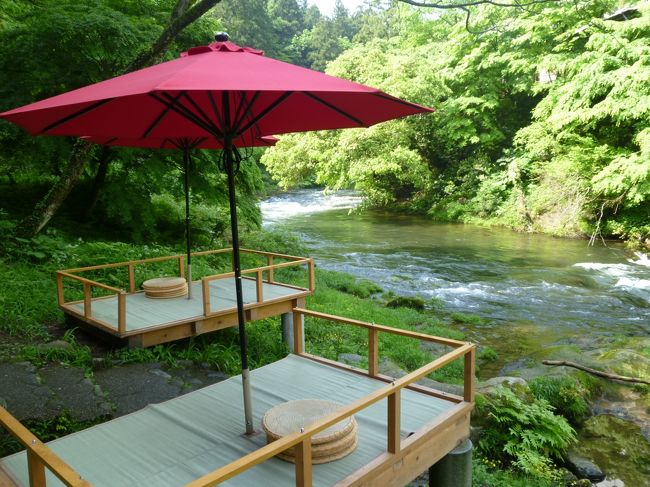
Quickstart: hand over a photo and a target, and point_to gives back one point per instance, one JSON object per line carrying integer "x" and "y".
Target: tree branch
{"x": 181, "y": 18}
{"x": 474, "y": 3}
{"x": 599, "y": 373}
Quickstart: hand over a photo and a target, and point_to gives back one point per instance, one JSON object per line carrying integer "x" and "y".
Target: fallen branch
{"x": 599, "y": 373}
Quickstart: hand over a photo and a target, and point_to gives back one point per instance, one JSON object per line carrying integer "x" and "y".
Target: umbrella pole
{"x": 186, "y": 160}
{"x": 245, "y": 373}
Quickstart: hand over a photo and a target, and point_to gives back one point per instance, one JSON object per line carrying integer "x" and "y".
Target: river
{"x": 543, "y": 289}
{"x": 538, "y": 296}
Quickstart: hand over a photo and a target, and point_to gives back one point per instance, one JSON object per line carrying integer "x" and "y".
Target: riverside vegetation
{"x": 525, "y": 431}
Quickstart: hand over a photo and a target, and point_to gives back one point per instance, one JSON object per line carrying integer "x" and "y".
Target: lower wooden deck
{"x": 152, "y": 321}
{"x": 177, "y": 442}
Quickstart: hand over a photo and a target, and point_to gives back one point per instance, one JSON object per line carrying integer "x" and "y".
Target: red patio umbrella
{"x": 219, "y": 91}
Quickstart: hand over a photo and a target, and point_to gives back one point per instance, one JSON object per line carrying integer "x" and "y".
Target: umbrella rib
{"x": 72, "y": 116}
{"x": 247, "y": 110}
{"x": 216, "y": 112}
{"x": 161, "y": 116}
{"x": 183, "y": 112}
{"x": 397, "y": 100}
{"x": 334, "y": 108}
{"x": 201, "y": 112}
{"x": 265, "y": 112}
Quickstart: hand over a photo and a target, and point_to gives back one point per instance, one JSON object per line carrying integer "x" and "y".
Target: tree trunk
{"x": 53, "y": 200}
{"x": 182, "y": 16}
{"x": 98, "y": 184}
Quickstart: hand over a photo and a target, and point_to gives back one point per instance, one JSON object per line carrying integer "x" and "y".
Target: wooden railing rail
{"x": 88, "y": 286}
{"x": 259, "y": 277}
{"x": 302, "y": 440}
{"x": 39, "y": 456}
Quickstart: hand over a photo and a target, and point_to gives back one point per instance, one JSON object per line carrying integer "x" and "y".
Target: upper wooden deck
{"x": 129, "y": 314}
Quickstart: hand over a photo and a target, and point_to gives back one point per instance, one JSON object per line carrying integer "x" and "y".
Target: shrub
{"x": 566, "y": 394}
{"x": 524, "y": 435}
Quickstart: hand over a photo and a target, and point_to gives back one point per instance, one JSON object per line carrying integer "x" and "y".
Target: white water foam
{"x": 644, "y": 260}
{"x": 632, "y": 278}
{"x": 295, "y": 203}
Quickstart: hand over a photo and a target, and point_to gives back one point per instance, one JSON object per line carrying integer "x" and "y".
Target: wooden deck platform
{"x": 196, "y": 440}
{"x": 143, "y": 321}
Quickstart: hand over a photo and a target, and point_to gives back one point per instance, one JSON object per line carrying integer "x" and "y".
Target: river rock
{"x": 491, "y": 384}
{"x": 350, "y": 358}
{"x": 584, "y": 468}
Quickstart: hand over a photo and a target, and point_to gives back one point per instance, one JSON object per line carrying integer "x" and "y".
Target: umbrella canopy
{"x": 220, "y": 91}
{"x": 212, "y": 91}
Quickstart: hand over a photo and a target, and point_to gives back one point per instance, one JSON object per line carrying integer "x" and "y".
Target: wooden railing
{"x": 121, "y": 294}
{"x": 301, "y": 440}
{"x": 39, "y": 456}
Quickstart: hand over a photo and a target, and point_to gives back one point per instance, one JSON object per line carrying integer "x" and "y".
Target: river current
{"x": 544, "y": 289}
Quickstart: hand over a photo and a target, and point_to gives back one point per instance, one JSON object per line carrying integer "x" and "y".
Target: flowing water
{"x": 538, "y": 296}
{"x": 532, "y": 285}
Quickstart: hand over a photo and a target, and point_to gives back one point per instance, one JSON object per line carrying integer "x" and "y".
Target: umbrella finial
{"x": 221, "y": 37}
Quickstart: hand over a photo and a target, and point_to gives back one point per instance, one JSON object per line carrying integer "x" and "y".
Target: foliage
{"x": 523, "y": 432}
{"x": 486, "y": 472}
{"x": 567, "y": 394}
{"x": 349, "y": 284}
{"x": 540, "y": 124}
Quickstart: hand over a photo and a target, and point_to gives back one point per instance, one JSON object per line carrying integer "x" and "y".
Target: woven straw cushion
{"x": 331, "y": 444}
{"x": 165, "y": 287}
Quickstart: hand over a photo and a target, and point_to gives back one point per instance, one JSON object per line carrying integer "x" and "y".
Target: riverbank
{"x": 31, "y": 322}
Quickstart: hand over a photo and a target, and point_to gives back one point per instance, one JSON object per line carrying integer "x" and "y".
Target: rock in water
{"x": 584, "y": 468}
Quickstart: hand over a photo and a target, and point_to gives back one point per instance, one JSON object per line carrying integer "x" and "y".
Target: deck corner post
{"x": 36, "y": 470}
{"x": 312, "y": 276}
{"x": 469, "y": 374}
{"x": 454, "y": 469}
{"x": 88, "y": 312}
{"x": 293, "y": 331}
{"x": 59, "y": 289}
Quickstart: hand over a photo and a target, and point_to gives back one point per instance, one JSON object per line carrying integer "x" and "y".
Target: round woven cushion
{"x": 331, "y": 444}
{"x": 165, "y": 287}
{"x": 163, "y": 283}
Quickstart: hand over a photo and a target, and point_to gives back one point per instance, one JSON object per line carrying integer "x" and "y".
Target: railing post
{"x": 470, "y": 372}
{"x": 205, "y": 291}
{"x": 181, "y": 266}
{"x": 36, "y": 469}
{"x": 312, "y": 277}
{"x": 394, "y": 417}
{"x": 259, "y": 286}
{"x": 373, "y": 352}
{"x": 131, "y": 278}
{"x": 87, "y": 300}
{"x": 298, "y": 330}
{"x": 59, "y": 289}
{"x": 269, "y": 262}
{"x": 303, "y": 463}
{"x": 121, "y": 313}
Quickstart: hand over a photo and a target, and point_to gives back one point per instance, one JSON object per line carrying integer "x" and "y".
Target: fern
{"x": 524, "y": 434}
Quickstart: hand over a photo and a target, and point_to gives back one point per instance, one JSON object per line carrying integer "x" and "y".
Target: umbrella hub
{"x": 220, "y": 46}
